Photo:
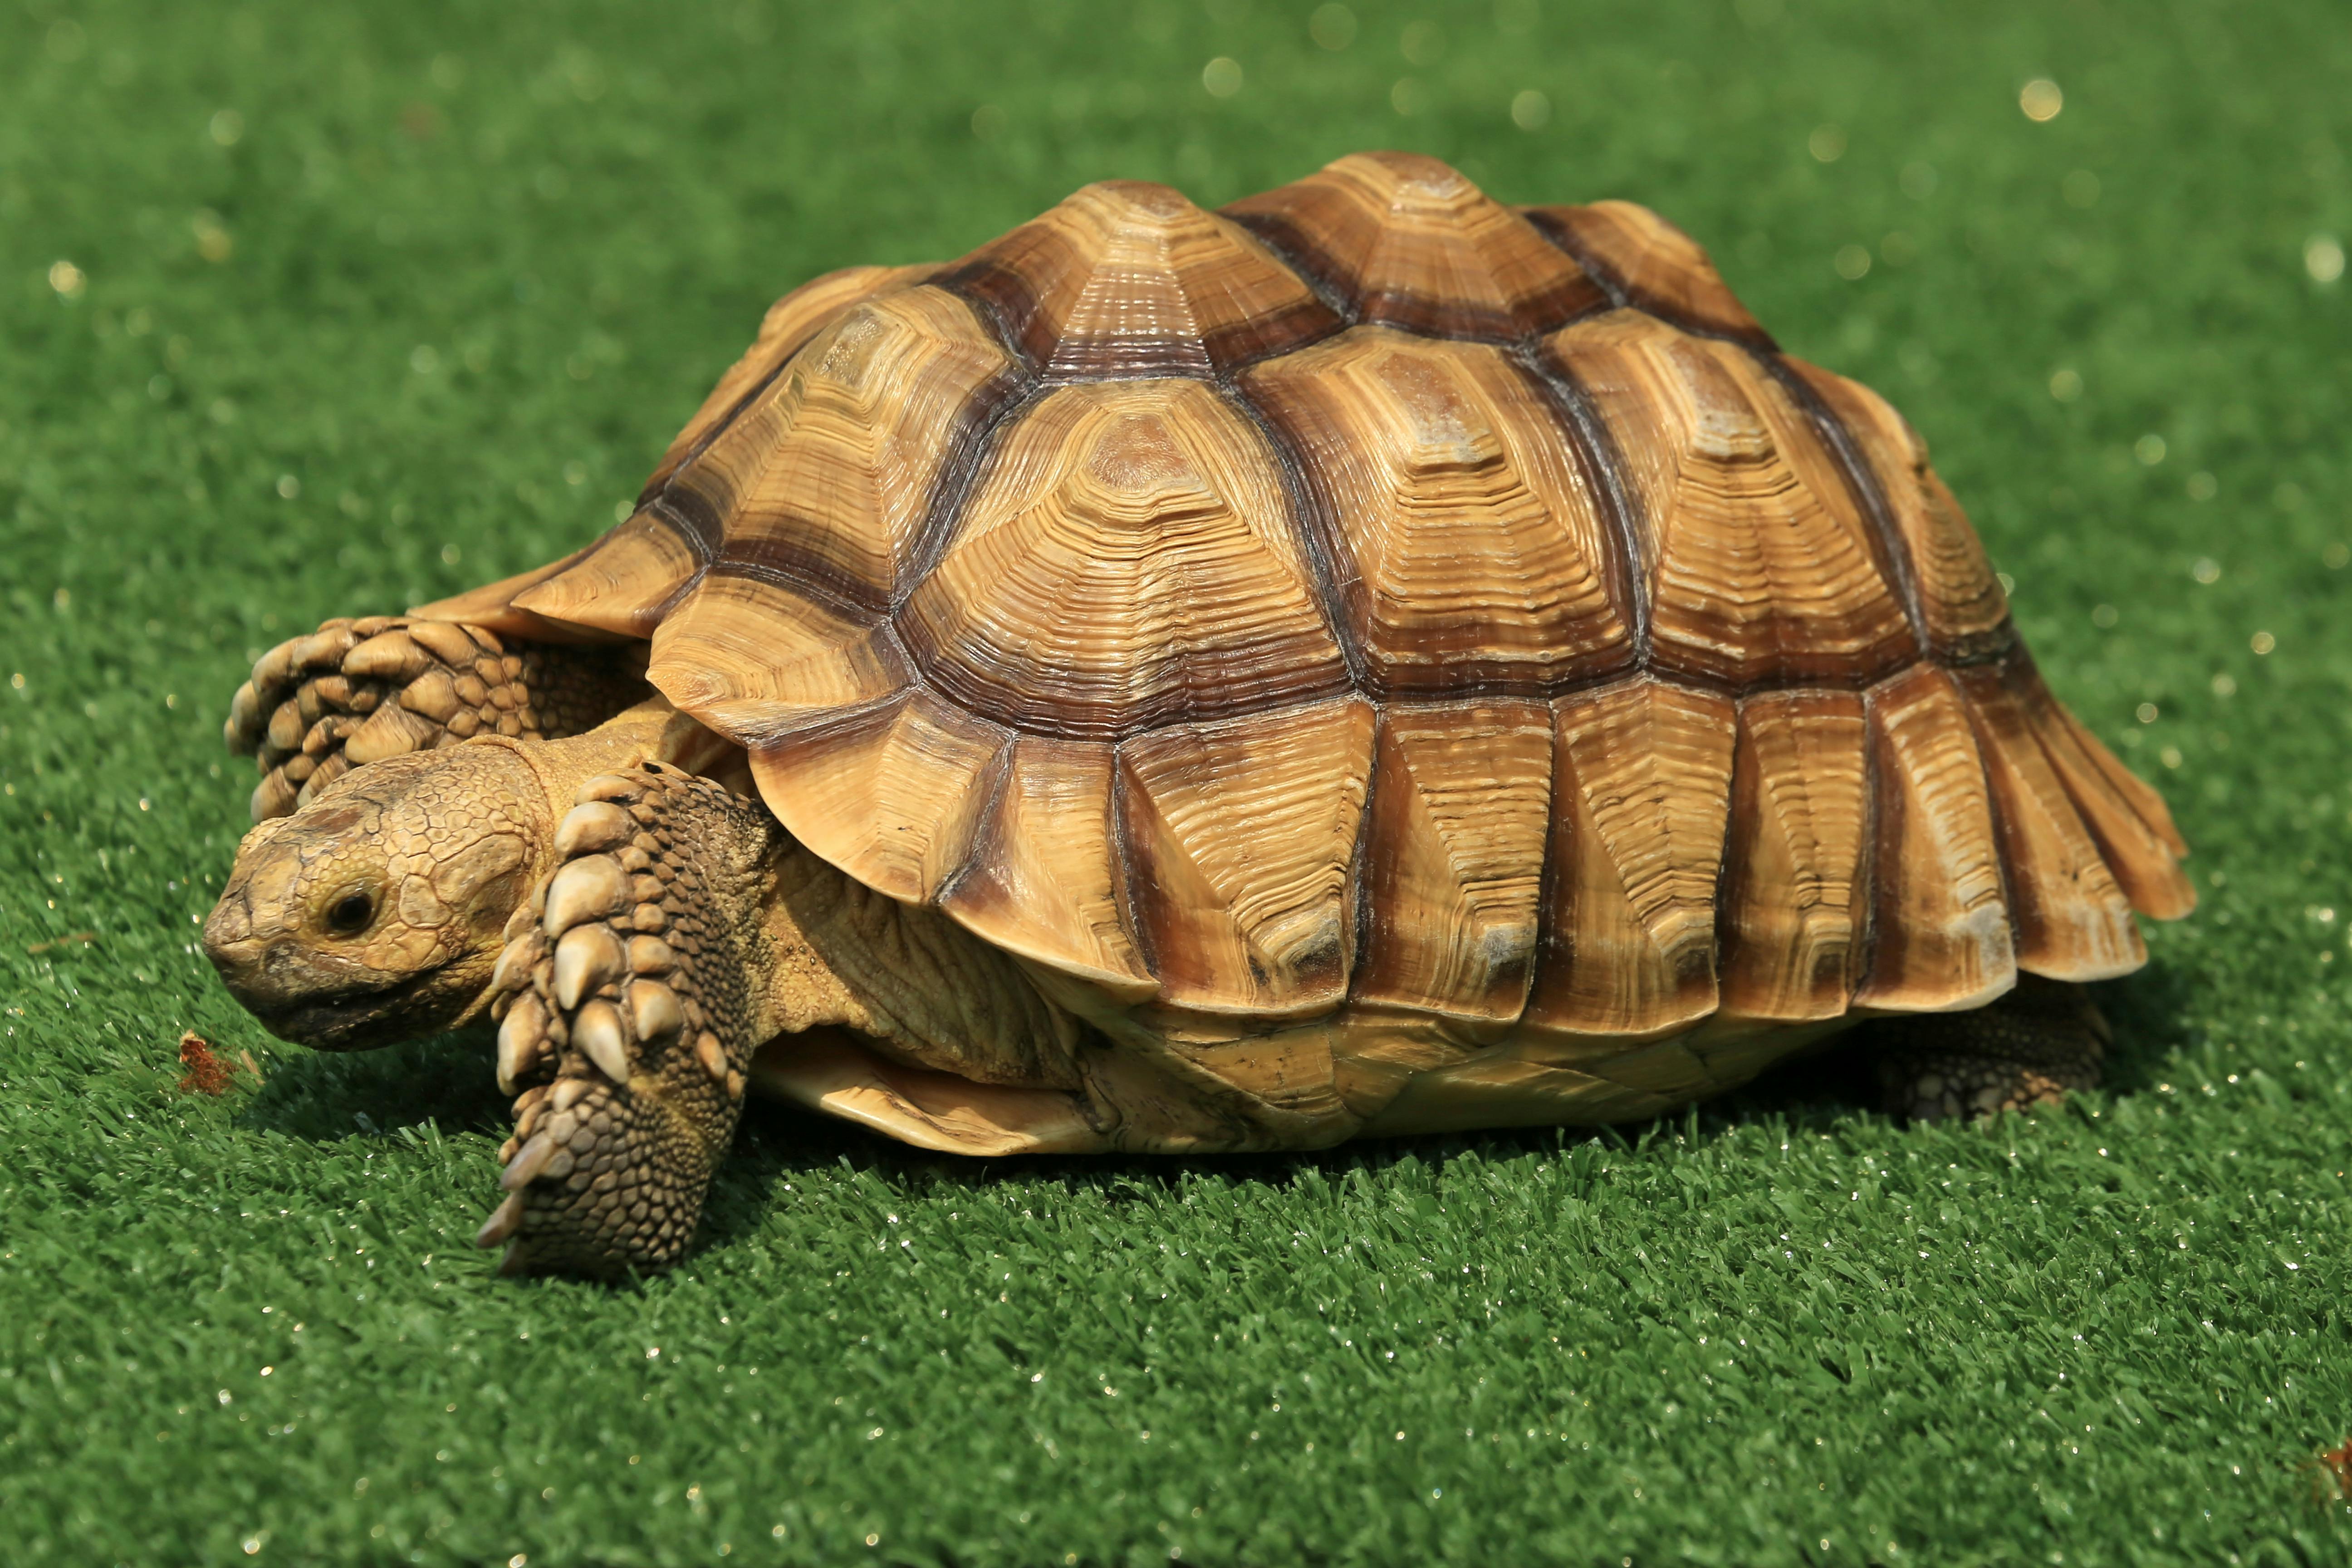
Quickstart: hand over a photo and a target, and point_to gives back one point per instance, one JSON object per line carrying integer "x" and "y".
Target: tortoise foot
{"x": 2028, "y": 1049}
{"x": 624, "y": 1020}
{"x": 355, "y": 691}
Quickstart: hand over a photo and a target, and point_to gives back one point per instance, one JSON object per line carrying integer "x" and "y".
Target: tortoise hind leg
{"x": 629, "y": 1007}
{"x": 2028, "y": 1049}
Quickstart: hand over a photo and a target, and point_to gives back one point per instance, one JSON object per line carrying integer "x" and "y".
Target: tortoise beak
{"x": 240, "y": 932}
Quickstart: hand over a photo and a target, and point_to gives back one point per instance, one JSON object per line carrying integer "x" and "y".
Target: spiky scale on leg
{"x": 610, "y": 1168}
{"x": 2030, "y": 1048}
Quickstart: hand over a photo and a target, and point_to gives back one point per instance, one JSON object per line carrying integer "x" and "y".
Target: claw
{"x": 587, "y": 958}
{"x": 653, "y": 1008}
{"x": 597, "y": 1031}
{"x": 611, "y": 786}
{"x": 518, "y": 1040}
{"x": 504, "y": 1221}
{"x": 584, "y": 890}
{"x": 528, "y": 1164}
{"x": 521, "y": 956}
{"x": 712, "y": 1056}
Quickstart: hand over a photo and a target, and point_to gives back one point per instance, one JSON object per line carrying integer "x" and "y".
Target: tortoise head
{"x": 375, "y": 913}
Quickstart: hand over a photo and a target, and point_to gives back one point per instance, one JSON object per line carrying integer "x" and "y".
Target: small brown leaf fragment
{"x": 245, "y": 1058}
{"x": 207, "y": 1074}
{"x": 83, "y": 937}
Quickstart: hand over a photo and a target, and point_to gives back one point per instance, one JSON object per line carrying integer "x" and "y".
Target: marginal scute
{"x": 1642, "y": 776}
{"x": 1941, "y": 936}
{"x": 1044, "y": 882}
{"x": 1960, "y": 599}
{"x": 2135, "y": 847}
{"x": 754, "y": 658}
{"x": 891, "y": 794}
{"x": 2141, "y": 796}
{"x": 1460, "y": 812}
{"x": 1651, "y": 264}
{"x": 2072, "y": 920}
{"x": 1128, "y": 279}
{"x": 1794, "y": 899}
{"x": 1469, "y": 542}
{"x": 1761, "y": 568}
{"x": 1126, "y": 560}
{"x": 1407, "y": 241}
{"x": 1239, "y": 839}
{"x": 624, "y": 582}
{"x": 493, "y": 607}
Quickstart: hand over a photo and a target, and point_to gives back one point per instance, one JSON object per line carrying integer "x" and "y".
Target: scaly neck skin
{"x": 652, "y": 731}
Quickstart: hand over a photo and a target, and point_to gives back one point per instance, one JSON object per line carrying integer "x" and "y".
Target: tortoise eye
{"x": 351, "y": 913}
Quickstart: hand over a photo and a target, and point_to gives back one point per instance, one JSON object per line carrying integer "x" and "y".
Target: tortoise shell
{"x": 1371, "y": 602}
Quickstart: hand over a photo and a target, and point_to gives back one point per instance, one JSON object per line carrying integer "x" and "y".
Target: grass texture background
{"x": 362, "y": 303}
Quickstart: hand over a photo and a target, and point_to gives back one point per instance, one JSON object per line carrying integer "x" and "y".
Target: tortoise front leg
{"x": 356, "y": 692}
{"x": 2028, "y": 1049}
{"x": 630, "y": 1003}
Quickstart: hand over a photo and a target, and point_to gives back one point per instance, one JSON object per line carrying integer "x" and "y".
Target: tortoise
{"x": 1367, "y": 660}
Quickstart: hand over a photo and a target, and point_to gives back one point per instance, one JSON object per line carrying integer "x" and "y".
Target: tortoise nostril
{"x": 228, "y": 937}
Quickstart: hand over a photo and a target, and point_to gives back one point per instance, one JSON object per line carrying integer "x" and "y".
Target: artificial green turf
{"x": 379, "y": 302}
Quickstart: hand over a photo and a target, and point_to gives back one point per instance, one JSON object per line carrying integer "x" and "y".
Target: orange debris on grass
{"x": 207, "y": 1074}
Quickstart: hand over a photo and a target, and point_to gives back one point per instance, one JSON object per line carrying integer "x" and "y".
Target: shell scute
{"x": 2074, "y": 921}
{"x": 893, "y": 796}
{"x": 624, "y": 582}
{"x": 1126, "y": 278}
{"x": 828, "y": 478}
{"x": 755, "y": 658}
{"x": 1962, "y": 608}
{"x": 1454, "y": 634}
{"x": 1760, "y": 566}
{"x": 695, "y": 506}
{"x": 1460, "y": 814}
{"x": 1651, "y": 264}
{"x": 1128, "y": 559}
{"x": 1045, "y": 880}
{"x": 1240, "y": 840}
{"x": 1406, "y": 241}
{"x": 1468, "y": 541}
{"x": 790, "y": 322}
{"x": 1941, "y": 937}
{"x": 1642, "y": 776}
{"x": 1795, "y": 894}
{"x": 2109, "y": 801}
